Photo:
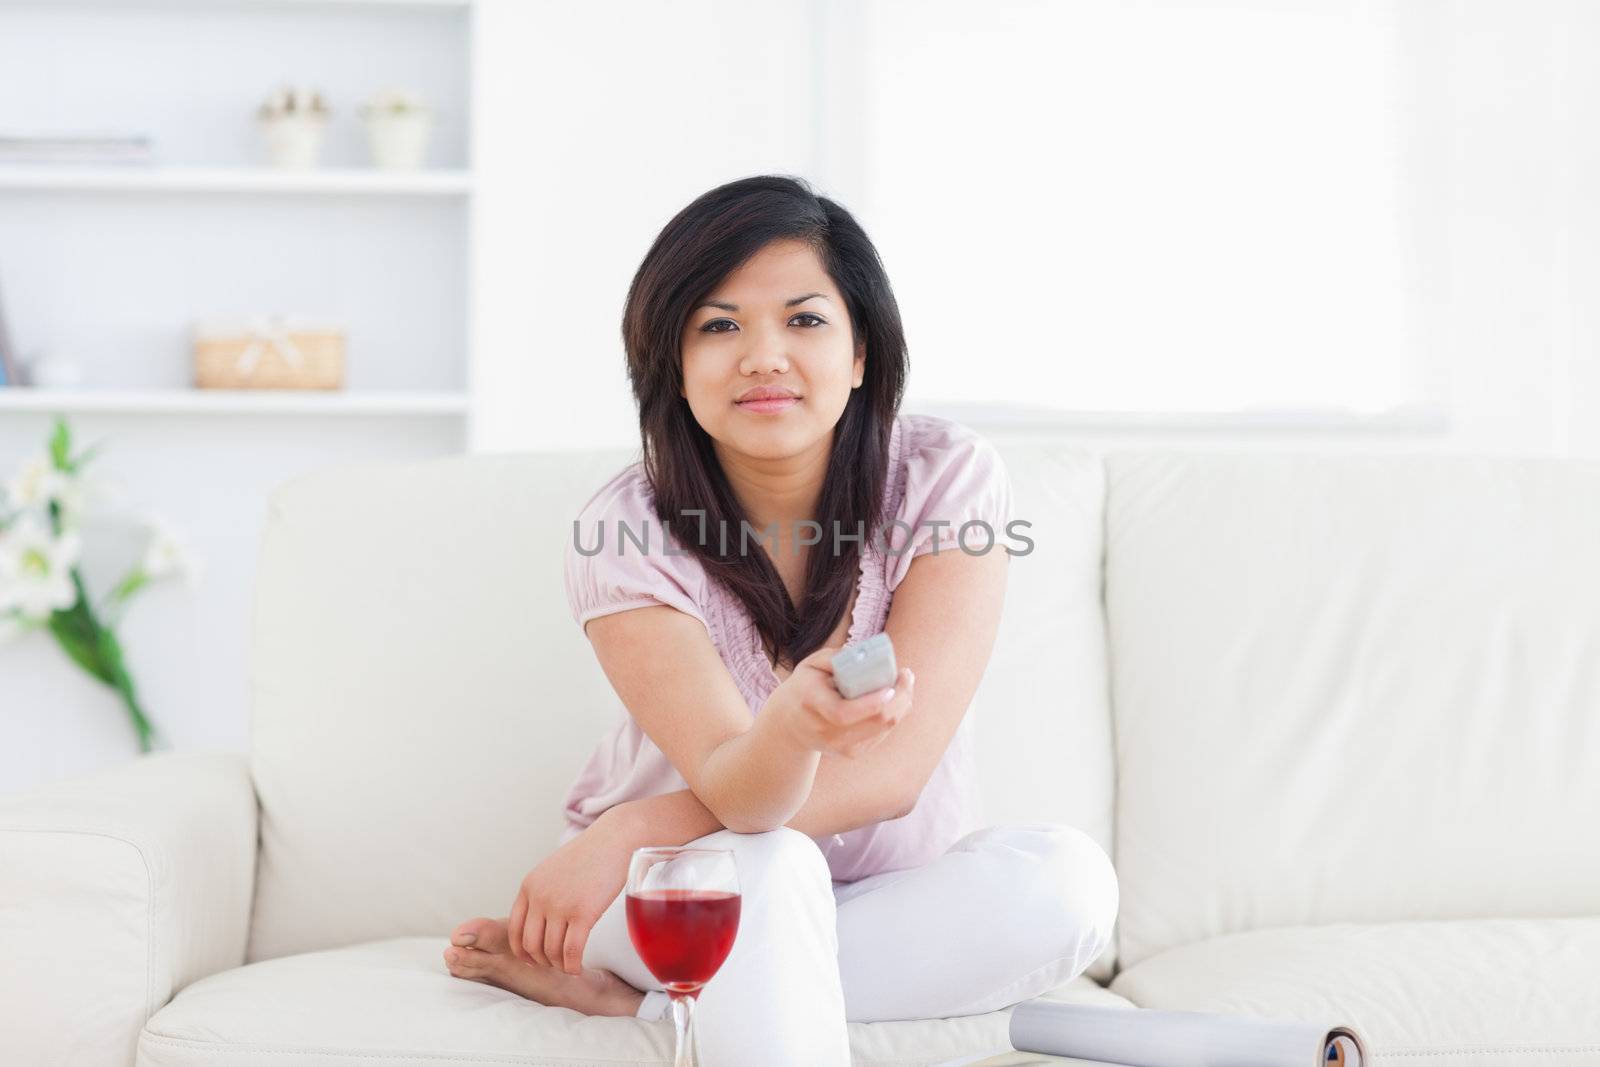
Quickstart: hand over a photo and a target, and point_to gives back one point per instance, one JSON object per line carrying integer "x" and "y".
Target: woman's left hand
{"x": 562, "y": 898}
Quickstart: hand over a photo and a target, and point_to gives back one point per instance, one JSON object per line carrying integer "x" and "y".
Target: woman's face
{"x": 778, "y": 321}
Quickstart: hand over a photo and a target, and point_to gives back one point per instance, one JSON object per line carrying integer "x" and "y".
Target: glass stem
{"x": 683, "y": 1023}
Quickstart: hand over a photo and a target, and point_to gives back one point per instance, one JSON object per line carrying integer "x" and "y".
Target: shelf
{"x": 233, "y": 401}
{"x": 142, "y": 178}
{"x": 425, "y": 5}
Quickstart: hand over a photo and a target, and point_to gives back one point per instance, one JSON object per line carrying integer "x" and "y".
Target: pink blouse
{"x": 942, "y": 474}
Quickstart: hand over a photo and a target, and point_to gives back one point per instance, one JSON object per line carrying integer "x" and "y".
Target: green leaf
{"x": 87, "y": 455}
{"x": 83, "y": 648}
{"x": 135, "y": 580}
{"x": 61, "y": 445}
{"x": 111, "y": 653}
{"x": 78, "y": 632}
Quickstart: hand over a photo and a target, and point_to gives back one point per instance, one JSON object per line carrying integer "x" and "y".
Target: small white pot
{"x": 294, "y": 141}
{"x": 54, "y": 370}
{"x": 398, "y": 139}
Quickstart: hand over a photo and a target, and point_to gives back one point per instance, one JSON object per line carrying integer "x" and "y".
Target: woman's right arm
{"x": 559, "y": 901}
{"x": 687, "y": 703}
{"x": 840, "y": 801}
{"x": 752, "y": 773}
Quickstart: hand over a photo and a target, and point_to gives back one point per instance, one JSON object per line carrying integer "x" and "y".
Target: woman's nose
{"x": 765, "y": 355}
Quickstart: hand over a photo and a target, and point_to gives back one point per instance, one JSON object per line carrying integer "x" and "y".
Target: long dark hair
{"x": 704, "y": 243}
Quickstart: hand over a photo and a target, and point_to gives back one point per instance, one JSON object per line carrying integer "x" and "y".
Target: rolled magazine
{"x": 1146, "y": 1037}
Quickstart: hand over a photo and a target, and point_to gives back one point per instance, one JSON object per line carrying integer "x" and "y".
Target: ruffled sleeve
{"x": 954, "y": 476}
{"x": 607, "y": 571}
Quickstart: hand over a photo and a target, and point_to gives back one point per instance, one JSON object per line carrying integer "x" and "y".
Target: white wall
{"x": 1498, "y": 144}
{"x": 596, "y": 122}
{"x": 1512, "y": 129}
{"x": 1159, "y": 206}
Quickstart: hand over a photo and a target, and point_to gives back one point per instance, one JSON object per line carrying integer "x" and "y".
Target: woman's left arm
{"x": 943, "y": 621}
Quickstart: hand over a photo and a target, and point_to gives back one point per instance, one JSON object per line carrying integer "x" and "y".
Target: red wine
{"x": 683, "y": 935}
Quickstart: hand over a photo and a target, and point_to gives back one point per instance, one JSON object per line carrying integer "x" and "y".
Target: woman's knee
{"x": 793, "y": 857}
{"x": 1074, "y": 885}
{"x": 1090, "y": 877}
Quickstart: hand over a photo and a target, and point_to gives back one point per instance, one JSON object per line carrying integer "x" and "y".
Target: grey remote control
{"x": 864, "y": 666}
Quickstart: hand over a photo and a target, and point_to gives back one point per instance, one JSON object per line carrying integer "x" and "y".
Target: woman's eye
{"x": 815, "y": 321}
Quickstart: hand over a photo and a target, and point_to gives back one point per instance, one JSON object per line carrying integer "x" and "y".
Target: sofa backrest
{"x": 1042, "y": 715}
{"x": 416, "y": 704}
{"x": 1351, "y": 688}
{"x": 421, "y": 700}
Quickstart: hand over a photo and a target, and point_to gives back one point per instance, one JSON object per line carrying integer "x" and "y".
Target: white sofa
{"x": 1337, "y": 719}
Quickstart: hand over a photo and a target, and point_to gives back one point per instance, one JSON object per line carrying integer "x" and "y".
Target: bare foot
{"x": 480, "y": 952}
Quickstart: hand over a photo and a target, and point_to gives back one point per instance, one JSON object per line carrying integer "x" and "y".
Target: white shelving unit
{"x": 112, "y": 266}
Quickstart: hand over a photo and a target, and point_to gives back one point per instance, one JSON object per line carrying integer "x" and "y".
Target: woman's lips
{"x": 777, "y": 403}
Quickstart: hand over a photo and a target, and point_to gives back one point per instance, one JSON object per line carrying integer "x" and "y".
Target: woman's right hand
{"x": 562, "y": 898}
{"x": 819, "y": 719}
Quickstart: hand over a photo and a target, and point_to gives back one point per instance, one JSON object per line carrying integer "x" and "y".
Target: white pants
{"x": 1005, "y": 914}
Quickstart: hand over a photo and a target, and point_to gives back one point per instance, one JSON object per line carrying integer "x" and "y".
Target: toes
{"x": 486, "y": 934}
{"x": 467, "y": 962}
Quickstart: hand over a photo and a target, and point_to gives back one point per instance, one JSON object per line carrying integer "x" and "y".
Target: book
{"x": 87, "y": 147}
{"x": 1147, "y": 1037}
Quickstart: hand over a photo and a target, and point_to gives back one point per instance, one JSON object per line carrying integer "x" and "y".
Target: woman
{"x": 869, "y": 892}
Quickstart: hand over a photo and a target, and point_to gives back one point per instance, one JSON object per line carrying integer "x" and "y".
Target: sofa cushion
{"x": 392, "y": 1003}
{"x": 419, "y": 702}
{"x": 1351, "y": 689}
{"x": 1468, "y": 993}
{"x": 1041, "y": 715}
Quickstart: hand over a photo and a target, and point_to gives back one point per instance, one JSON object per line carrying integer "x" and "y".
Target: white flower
{"x": 168, "y": 553}
{"x": 36, "y": 484}
{"x": 71, "y": 499}
{"x": 36, "y": 567}
{"x": 39, "y": 483}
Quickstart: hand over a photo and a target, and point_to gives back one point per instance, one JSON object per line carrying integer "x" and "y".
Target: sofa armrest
{"x": 117, "y": 890}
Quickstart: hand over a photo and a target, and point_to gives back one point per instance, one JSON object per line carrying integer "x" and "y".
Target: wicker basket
{"x": 268, "y": 353}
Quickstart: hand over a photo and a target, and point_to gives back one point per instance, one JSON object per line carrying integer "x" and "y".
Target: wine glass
{"x": 683, "y": 913}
